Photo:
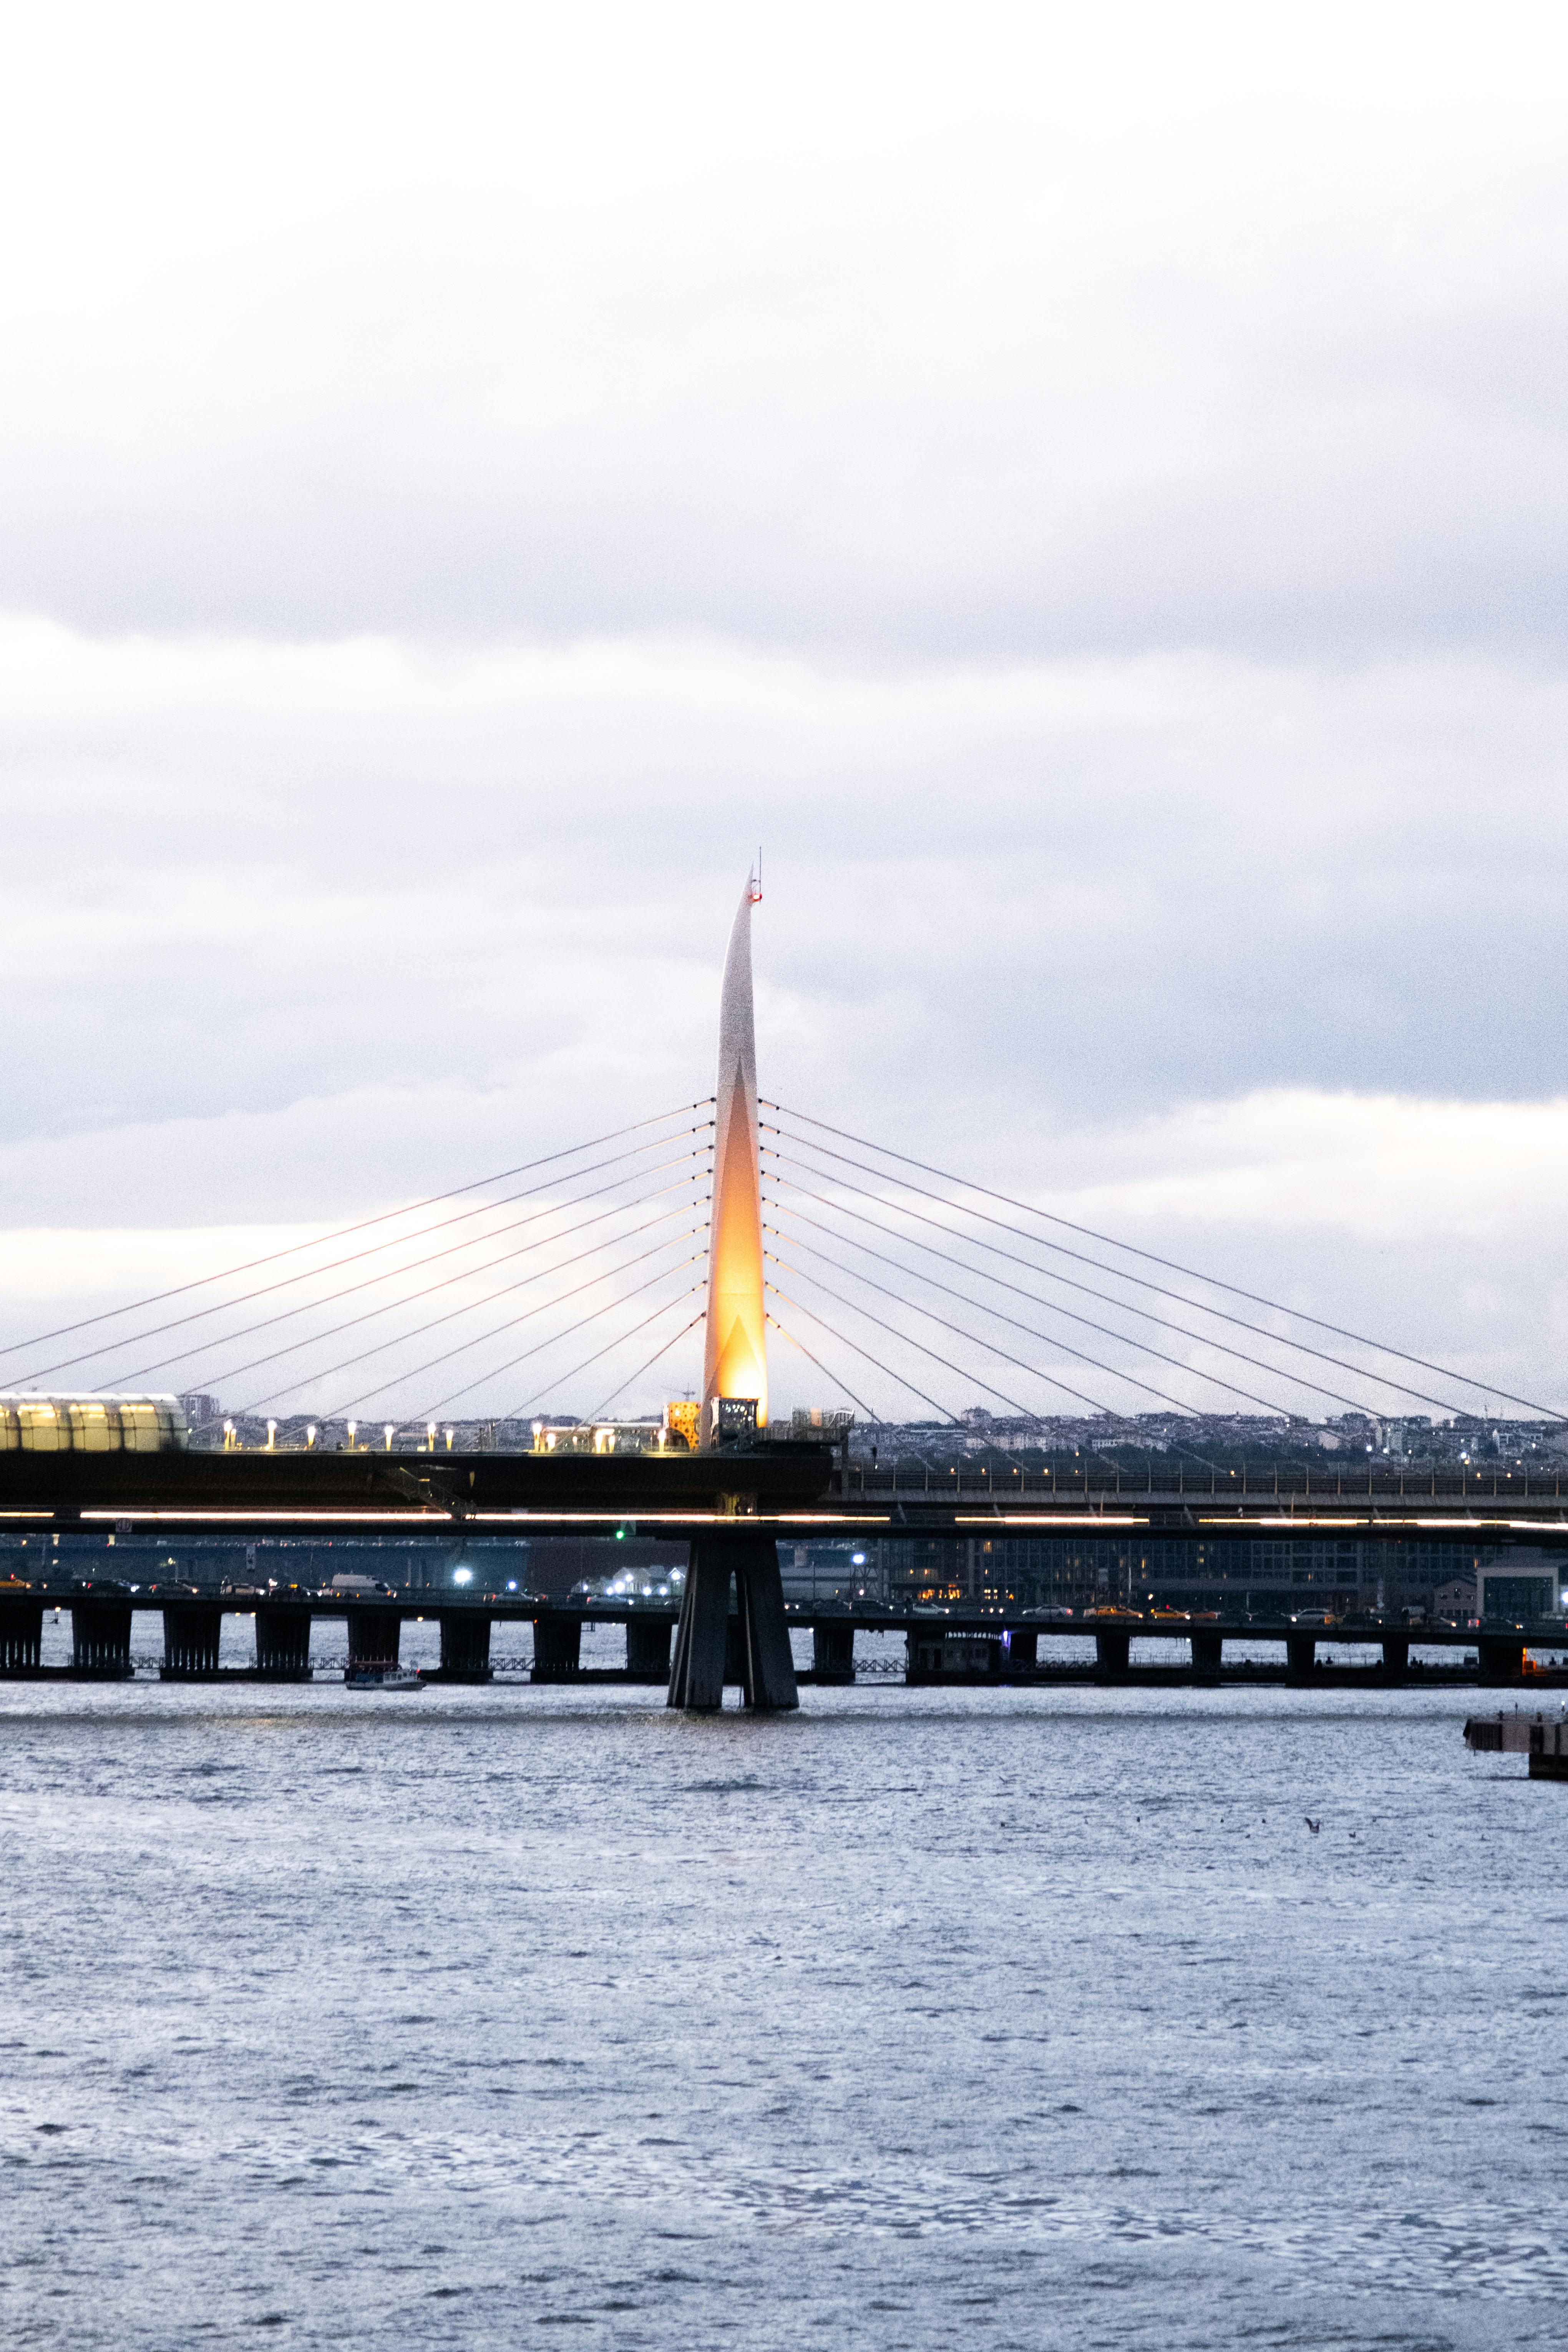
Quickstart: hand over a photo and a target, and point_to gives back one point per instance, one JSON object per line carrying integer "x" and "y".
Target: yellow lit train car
{"x": 92, "y": 1424}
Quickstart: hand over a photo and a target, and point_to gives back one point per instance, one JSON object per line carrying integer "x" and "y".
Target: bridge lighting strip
{"x": 676, "y": 1518}
{"x": 997, "y": 1521}
{"x": 429, "y": 1516}
{"x": 281, "y": 1519}
{"x": 1379, "y": 1520}
{"x": 1004, "y": 1519}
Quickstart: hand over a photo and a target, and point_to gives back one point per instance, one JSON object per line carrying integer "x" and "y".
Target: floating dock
{"x": 1544, "y": 1738}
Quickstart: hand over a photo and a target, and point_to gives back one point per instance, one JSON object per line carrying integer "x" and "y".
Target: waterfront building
{"x": 1342, "y": 1577}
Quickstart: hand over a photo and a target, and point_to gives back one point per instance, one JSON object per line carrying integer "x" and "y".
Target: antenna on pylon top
{"x": 754, "y": 887}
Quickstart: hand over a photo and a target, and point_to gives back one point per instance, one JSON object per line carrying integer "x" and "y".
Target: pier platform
{"x": 1542, "y": 1737}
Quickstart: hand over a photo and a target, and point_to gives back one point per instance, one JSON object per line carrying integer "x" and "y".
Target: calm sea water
{"x": 1017, "y": 2018}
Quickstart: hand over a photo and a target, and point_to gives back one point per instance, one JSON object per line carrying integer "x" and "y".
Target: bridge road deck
{"x": 796, "y": 1490}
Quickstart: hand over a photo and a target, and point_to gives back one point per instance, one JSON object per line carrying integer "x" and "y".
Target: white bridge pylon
{"x": 734, "y": 1360}
{"x": 711, "y": 1647}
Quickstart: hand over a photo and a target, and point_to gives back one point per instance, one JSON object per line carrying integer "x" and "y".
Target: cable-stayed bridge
{"x": 584, "y": 1272}
{"x": 413, "y": 1369}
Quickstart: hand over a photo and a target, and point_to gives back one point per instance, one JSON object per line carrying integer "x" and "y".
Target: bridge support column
{"x": 1501, "y": 1656}
{"x": 648, "y": 1649}
{"x": 282, "y": 1642}
{"x": 1396, "y": 1660}
{"x": 767, "y": 1669}
{"x": 833, "y": 1654}
{"x": 21, "y": 1636}
{"x": 375, "y": 1636}
{"x": 1300, "y": 1655}
{"x": 1208, "y": 1653}
{"x": 191, "y": 1631}
{"x": 465, "y": 1645}
{"x": 1111, "y": 1653}
{"x": 557, "y": 1646}
{"x": 100, "y": 1639}
{"x": 701, "y": 1638}
{"x": 1020, "y": 1651}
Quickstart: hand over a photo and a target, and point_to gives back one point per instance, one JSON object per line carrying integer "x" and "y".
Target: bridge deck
{"x": 796, "y": 1490}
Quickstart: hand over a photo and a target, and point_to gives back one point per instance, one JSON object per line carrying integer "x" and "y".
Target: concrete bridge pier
{"x": 190, "y": 1630}
{"x": 1020, "y": 1651}
{"x": 1111, "y": 1651}
{"x": 1300, "y": 1655}
{"x": 702, "y": 1654}
{"x": 833, "y": 1654}
{"x": 375, "y": 1636}
{"x": 1208, "y": 1653}
{"x": 648, "y": 1649}
{"x": 100, "y": 1639}
{"x": 557, "y": 1648}
{"x": 282, "y": 1642}
{"x": 1396, "y": 1660}
{"x": 465, "y": 1645}
{"x": 1501, "y": 1658}
{"x": 21, "y": 1636}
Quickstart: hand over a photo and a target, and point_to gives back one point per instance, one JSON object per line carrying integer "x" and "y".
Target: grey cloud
{"x": 239, "y": 875}
{"x": 1027, "y": 412}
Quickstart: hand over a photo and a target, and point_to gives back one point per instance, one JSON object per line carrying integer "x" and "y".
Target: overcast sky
{"x": 1086, "y": 489}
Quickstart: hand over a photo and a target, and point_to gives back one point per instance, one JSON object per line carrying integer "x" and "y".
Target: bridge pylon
{"x": 734, "y": 1368}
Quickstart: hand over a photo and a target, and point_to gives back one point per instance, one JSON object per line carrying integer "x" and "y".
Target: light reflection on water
{"x": 422, "y": 2019}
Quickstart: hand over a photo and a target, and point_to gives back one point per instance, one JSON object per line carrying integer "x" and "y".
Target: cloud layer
{"x": 1049, "y": 335}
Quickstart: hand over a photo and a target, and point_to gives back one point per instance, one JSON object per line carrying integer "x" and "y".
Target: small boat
{"x": 382, "y": 1678}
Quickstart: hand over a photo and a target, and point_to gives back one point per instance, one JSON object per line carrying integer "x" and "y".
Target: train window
{"x": 139, "y": 1428}
{"x": 94, "y": 1428}
{"x": 43, "y": 1429}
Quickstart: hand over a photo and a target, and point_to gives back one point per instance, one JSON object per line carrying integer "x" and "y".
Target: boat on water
{"x": 382, "y": 1678}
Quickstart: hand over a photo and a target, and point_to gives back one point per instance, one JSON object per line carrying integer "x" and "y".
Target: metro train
{"x": 49, "y": 1424}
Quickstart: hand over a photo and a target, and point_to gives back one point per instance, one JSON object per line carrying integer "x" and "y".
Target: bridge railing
{"x": 904, "y": 1480}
